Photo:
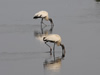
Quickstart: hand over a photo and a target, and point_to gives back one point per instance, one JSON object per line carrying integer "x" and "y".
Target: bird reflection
{"x": 53, "y": 64}
{"x": 43, "y": 33}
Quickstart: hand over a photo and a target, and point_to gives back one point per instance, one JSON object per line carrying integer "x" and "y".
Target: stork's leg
{"x": 49, "y": 47}
{"x": 43, "y": 23}
{"x": 54, "y": 56}
{"x": 54, "y": 48}
{"x": 54, "y": 51}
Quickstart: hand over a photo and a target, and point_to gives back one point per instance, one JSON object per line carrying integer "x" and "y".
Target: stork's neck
{"x": 63, "y": 47}
{"x": 51, "y": 21}
{"x": 63, "y": 50}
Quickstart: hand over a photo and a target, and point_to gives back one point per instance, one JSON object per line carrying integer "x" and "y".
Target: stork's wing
{"x": 53, "y": 37}
{"x": 41, "y": 14}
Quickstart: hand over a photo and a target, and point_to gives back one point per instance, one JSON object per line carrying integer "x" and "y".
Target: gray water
{"x": 76, "y": 21}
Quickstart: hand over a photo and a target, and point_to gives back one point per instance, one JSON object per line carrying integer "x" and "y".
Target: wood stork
{"x": 43, "y": 15}
{"x": 54, "y": 38}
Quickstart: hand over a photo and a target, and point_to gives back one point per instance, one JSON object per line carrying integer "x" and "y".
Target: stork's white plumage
{"x": 43, "y": 15}
{"x": 53, "y": 38}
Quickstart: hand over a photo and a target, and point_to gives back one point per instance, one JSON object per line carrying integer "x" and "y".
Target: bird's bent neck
{"x": 63, "y": 47}
{"x": 51, "y": 21}
{"x": 63, "y": 50}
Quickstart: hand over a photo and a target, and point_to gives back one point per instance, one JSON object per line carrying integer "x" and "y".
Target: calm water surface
{"x": 22, "y": 52}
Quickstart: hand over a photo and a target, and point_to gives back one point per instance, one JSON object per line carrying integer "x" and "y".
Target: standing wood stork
{"x": 43, "y": 15}
{"x": 54, "y": 38}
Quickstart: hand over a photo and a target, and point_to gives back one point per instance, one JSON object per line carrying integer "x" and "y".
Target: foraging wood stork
{"x": 43, "y": 15}
{"x": 54, "y": 38}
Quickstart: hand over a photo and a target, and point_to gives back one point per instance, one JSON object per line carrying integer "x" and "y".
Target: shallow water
{"x": 23, "y": 53}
